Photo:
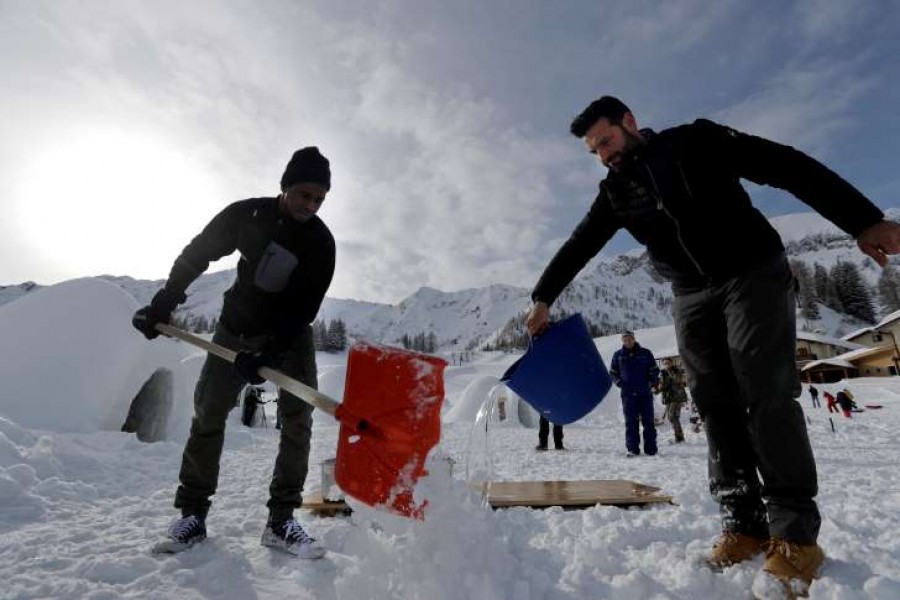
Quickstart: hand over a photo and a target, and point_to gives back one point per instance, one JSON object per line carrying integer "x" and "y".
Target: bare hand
{"x": 538, "y": 319}
{"x": 880, "y": 240}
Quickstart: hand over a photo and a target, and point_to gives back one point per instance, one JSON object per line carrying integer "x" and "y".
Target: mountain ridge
{"x": 613, "y": 293}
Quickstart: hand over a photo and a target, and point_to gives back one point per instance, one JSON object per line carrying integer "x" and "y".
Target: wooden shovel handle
{"x": 302, "y": 391}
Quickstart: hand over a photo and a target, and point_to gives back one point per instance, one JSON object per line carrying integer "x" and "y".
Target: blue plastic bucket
{"x": 561, "y": 375}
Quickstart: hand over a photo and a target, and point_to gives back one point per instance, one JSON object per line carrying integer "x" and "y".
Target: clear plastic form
{"x": 479, "y": 457}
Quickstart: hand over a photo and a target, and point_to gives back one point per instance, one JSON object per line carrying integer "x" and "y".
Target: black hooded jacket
{"x": 282, "y": 276}
{"x": 680, "y": 195}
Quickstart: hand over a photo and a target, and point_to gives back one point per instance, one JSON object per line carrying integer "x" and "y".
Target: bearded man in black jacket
{"x": 678, "y": 192}
{"x": 286, "y": 265}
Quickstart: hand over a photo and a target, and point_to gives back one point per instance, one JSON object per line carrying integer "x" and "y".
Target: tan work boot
{"x": 732, "y": 548}
{"x": 790, "y": 563}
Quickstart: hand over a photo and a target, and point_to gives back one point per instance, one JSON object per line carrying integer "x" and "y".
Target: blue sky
{"x": 127, "y": 125}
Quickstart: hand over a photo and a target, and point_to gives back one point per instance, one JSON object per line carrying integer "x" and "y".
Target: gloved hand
{"x": 247, "y": 364}
{"x": 145, "y": 320}
{"x": 158, "y": 311}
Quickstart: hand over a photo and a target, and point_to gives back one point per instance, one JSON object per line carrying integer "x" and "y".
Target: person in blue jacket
{"x": 634, "y": 371}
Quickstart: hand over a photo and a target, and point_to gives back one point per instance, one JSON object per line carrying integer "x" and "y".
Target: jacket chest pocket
{"x": 633, "y": 200}
{"x": 274, "y": 269}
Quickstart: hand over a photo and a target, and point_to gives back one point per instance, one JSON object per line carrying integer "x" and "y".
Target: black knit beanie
{"x": 307, "y": 165}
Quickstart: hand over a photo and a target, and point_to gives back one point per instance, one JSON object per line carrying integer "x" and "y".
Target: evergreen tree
{"x": 809, "y": 308}
{"x": 341, "y": 333}
{"x": 826, "y": 291}
{"x": 335, "y": 336}
{"x": 319, "y": 335}
{"x": 512, "y": 335}
{"x": 889, "y": 289}
{"x": 853, "y": 292}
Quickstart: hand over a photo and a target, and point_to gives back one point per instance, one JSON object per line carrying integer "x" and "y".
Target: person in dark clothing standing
{"x": 671, "y": 385}
{"x": 286, "y": 265}
{"x": 633, "y": 369}
{"x": 814, "y": 394}
{"x": 252, "y": 403}
{"x": 734, "y": 305}
{"x": 544, "y": 434}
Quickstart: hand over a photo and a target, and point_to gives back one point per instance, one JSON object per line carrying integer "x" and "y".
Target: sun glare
{"x": 114, "y": 202}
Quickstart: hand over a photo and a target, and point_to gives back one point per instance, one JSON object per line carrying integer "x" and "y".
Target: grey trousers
{"x": 737, "y": 341}
{"x": 214, "y": 397}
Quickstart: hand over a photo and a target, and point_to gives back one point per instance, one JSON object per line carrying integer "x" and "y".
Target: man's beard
{"x": 632, "y": 143}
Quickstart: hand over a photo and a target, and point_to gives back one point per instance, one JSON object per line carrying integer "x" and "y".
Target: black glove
{"x": 158, "y": 311}
{"x": 247, "y": 364}
{"x": 145, "y": 321}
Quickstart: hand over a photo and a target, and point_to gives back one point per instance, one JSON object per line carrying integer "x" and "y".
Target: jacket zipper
{"x": 684, "y": 180}
{"x": 662, "y": 207}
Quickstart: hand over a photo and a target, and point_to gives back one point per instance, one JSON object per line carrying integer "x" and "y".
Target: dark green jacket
{"x": 671, "y": 384}
{"x": 282, "y": 276}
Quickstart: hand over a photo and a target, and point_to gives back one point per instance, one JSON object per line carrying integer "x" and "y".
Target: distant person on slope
{"x": 287, "y": 262}
{"x": 814, "y": 395}
{"x": 845, "y": 400}
{"x": 251, "y": 404}
{"x": 679, "y": 193}
{"x": 633, "y": 369}
{"x": 674, "y": 397}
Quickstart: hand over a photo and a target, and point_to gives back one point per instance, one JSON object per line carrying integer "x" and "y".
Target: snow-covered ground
{"x": 81, "y": 503}
{"x": 80, "y": 511}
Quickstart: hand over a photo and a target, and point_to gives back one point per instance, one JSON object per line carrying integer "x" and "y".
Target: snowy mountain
{"x": 812, "y": 239}
{"x": 8, "y": 293}
{"x": 612, "y": 293}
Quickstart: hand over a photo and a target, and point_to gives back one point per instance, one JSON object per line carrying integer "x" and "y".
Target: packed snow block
{"x": 72, "y": 362}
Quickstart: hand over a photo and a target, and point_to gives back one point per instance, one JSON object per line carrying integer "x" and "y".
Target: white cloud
{"x": 824, "y": 20}
{"x": 804, "y": 104}
{"x": 452, "y": 167}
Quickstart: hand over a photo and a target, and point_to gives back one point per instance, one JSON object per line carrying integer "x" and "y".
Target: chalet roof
{"x": 846, "y": 359}
{"x": 835, "y": 362}
{"x": 889, "y": 319}
{"x": 825, "y": 339}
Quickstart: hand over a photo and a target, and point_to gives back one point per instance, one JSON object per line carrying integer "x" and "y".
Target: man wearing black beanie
{"x": 286, "y": 265}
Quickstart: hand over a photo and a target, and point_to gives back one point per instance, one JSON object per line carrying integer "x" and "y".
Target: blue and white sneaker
{"x": 183, "y": 533}
{"x": 288, "y": 536}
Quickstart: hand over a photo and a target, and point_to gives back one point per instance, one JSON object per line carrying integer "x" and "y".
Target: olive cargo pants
{"x": 216, "y": 395}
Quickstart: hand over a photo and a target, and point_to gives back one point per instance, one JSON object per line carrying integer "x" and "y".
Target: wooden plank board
{"x": 542, "y": 494}
{"x": 539, "y": 494}
{"x": 319, "y": 506}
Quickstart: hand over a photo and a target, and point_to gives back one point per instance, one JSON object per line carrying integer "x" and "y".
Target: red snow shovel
{"x": 390, "y": 418}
